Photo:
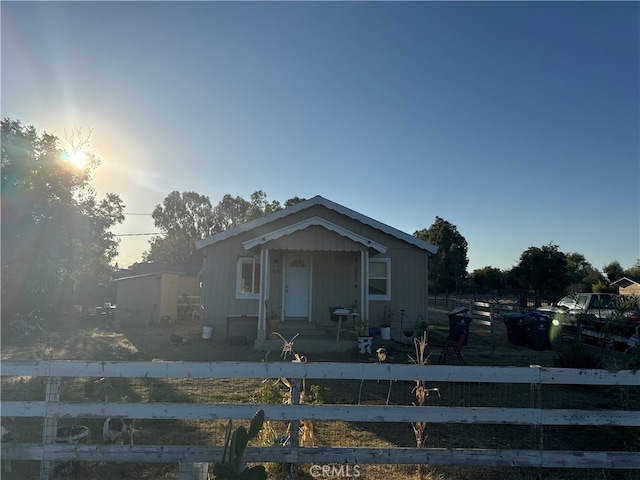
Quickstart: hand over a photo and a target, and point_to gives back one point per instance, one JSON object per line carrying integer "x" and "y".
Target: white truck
{"x": 605, "y": 317}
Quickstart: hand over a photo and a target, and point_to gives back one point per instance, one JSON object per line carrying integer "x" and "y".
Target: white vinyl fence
{"x": 532, "y": 414}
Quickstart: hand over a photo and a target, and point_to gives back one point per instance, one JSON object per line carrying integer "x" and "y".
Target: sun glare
{"x": 79, "y": 159}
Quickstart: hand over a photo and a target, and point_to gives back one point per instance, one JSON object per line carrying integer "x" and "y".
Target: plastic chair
{"x": 456, "y": 347}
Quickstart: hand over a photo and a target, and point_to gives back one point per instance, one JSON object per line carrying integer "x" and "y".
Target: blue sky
{"x": 518, "y": 122}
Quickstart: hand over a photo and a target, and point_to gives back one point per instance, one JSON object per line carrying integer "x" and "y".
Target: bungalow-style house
{"x": 628, "y": 285}
{"x": 150, "y": 293}
{"x": 300, "y": 263}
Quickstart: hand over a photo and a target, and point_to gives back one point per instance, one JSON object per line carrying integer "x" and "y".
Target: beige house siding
{"x": 631, "y": 290}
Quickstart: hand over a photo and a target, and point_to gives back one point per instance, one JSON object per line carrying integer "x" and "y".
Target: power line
{"x": 145, "y": 214}
{"x": 138, "y": 234}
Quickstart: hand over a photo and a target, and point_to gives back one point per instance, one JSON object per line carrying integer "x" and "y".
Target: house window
{"x": 248, "y": 278}
{"x": 380, "y": 279}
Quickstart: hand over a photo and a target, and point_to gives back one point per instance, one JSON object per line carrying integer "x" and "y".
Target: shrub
{"x": 577, "y": 355}
{"x": 270, "y": 392}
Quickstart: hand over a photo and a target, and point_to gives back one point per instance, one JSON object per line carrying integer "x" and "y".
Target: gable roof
{"x": 317, "y": 200}
{"x": 626, "y": 281}
{"x": 315, "y": 220}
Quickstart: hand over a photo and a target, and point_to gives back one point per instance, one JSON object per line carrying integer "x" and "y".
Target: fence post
{"x": 194, "y": 470}
{"x": 294, "y": 429}
{"x": 50, "y": 425}
{"x": 492, "y": 316}
{"x": 536, "y": 402}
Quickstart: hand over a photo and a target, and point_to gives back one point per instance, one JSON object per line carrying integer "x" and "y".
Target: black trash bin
{"x": 539, "y": 331}
{"x": 459, "y": 320}
{"x": 517, "y": 327}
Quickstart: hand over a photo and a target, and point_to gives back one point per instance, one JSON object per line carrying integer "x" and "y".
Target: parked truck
{"x": 606, "y": 318}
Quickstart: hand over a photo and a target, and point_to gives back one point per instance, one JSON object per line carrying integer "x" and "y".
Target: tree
{"x": 582, "y": 275}
{"x": 447, "y": 268}
{"x": 613, "y": 271}
{"x": 189, "y": 213}
{"x": 230, "y": 212}
{"x": 56, "y": 235}
{"x": 633, "y": 271}
{"x": 188, "y": 217}
{"x": 542, "y": 271}
{"x": 489, "y": 279}
{"x": 259, "y": 206}
{"x": 292, "y": 201}
{"x": 175, "y": 247}
{"x": 184, "y": 218}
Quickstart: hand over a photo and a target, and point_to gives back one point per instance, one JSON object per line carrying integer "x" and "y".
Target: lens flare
{"x": 78, "y": 158}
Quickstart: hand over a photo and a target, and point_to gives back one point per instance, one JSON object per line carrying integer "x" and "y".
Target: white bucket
{"x": 207, "y": 330}
{"x": 385, "y": 333}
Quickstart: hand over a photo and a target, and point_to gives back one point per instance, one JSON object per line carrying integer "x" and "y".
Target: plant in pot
{"x": 364, "y": 339}
{"x": 385, "y": 318}
{"x": 273, "y": 320}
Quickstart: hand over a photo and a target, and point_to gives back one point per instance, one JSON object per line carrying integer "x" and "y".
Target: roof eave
{"x": 317, "y": 200}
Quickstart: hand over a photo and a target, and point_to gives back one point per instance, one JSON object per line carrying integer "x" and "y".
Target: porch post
{"x": 364, "y": 282}
{"x": 426, "y": 288}
{"x": 264, "y": 281}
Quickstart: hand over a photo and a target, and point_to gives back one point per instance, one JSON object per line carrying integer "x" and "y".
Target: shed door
{"x": 297, "y": 286}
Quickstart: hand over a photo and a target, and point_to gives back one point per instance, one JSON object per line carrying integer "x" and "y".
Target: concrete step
{"x": 306, "y": 346}
{"x": 305, "y": 328}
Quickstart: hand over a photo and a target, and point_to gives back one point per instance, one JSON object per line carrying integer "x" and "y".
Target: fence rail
{"x": 52, "y": 409}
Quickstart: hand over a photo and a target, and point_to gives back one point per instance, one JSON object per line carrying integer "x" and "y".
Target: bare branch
{"x": 78, "y": 138}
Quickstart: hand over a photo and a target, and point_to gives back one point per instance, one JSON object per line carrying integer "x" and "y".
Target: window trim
{"x": 386, "y": 296}
{"x": 255, "y": 294}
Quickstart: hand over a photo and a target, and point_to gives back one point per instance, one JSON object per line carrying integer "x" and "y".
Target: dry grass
{"x": 72, "y": 340}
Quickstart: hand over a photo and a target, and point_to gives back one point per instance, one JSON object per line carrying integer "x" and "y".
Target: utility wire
{"x": 138, "y": 234}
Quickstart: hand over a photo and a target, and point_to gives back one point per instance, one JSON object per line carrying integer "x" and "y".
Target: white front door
{"x": 297, "y": 286}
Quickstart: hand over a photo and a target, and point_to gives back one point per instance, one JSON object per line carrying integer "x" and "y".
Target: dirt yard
{"x": 70, "y": 338}
{"x": 83, "y": 339}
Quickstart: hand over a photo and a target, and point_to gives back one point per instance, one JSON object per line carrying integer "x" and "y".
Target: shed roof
{"x": 317, "y": 200}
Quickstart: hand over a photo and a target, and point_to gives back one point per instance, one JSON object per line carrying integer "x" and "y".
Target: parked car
{"x": 603, "y": 316}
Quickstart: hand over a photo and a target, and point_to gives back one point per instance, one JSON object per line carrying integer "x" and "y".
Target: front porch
{"x": 312, "y": 338}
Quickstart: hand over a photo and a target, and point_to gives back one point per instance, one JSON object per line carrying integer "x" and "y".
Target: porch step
{"x": 305, "y": 328}
{"x": 306, "y": 346}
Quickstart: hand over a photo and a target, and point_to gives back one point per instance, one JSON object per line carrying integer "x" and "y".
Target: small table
{"x": 341, "y": 313}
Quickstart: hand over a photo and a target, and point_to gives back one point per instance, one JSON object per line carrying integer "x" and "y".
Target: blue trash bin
{"x": 539, "y": 327}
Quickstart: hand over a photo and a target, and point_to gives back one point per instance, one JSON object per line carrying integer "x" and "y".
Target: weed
{"x": 421, "y": 392}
